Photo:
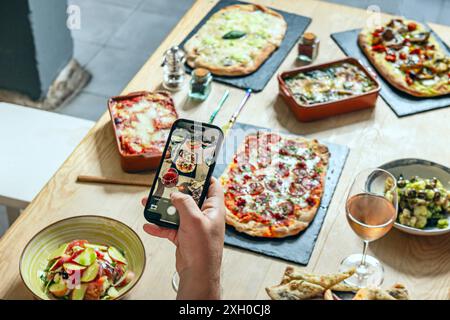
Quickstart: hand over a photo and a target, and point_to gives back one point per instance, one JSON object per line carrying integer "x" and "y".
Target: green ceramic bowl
{"x": 95, "y": 229}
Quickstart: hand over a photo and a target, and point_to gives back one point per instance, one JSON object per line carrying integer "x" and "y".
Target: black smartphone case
{"x": 155, "y": 217}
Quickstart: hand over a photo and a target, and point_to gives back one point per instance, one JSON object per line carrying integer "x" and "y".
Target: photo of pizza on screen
{"x": 184, "y": 169}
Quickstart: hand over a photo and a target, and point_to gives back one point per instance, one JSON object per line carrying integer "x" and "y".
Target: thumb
{"x": 186, "y": 206}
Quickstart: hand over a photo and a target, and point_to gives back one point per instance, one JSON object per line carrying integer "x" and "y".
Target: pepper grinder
{"x": 174, "y": 77}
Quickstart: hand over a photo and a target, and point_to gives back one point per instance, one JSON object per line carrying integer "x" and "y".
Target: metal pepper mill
{"x": 173, "y": 65}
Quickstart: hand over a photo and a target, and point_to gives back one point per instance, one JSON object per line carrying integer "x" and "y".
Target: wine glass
{"x": 371, "y": 211}
{"x": 175, "y": 281}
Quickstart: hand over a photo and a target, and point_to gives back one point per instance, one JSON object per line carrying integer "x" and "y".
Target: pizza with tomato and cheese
{"x": 274, "y": 185}
{"x": 236, "y": 40}
{"x": 142, "y": 123}
{"x": 408, "y": 56}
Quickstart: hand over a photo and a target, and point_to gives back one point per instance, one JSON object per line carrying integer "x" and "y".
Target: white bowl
{"x": 424, "y": 169}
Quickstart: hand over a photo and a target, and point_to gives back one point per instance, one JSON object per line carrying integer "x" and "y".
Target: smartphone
{"x": 186, "y": 166}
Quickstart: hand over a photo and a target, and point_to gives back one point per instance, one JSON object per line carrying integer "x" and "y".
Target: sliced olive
{"x": 421, "y": 194}
{"x": 401, "y": 183}
{"x": 437, "y": 195}
{"x": 412, "y": 193}
{"x": 388, "y": 35}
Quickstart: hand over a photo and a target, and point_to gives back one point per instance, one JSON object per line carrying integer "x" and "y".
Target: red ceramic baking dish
{"x": 310, "y": 112}
{"x": 140, "y": 161}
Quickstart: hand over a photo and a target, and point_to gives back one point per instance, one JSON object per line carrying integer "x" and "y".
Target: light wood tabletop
{"x": 374, "y": 136}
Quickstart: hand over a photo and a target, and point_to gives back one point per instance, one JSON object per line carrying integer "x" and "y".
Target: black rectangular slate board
{"x": 297, "y": 249}
{"x": 258, "y": 80}
{"x": 401, "y": 103}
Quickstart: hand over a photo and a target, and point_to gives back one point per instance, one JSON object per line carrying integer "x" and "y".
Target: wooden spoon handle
{"x": 104, "y": 180}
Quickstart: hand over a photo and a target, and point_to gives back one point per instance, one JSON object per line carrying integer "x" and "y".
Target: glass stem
{"x": 364, "y": 254}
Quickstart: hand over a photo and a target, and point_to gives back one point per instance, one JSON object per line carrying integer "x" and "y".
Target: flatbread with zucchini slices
{"x": 408, "y": 56}
{"x": 236, "y": 40}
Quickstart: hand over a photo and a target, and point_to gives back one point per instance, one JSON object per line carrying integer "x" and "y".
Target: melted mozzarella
{"x": 137, "y": 127}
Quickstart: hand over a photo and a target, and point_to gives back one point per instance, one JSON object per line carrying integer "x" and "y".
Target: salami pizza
{"x": 274, "y": 185}
{"x": 236, "y": 40}
{"x": 408, "y": 56}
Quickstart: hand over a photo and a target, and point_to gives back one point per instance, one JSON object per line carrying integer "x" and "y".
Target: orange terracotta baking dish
{"x": 141, "y": 122}
{"x": 315, "y": 111}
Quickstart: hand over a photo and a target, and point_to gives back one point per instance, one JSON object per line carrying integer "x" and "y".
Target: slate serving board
{"x": 297, "y": 249}
{"x": 258, "y": 80}
{"x": 401, "y": 103}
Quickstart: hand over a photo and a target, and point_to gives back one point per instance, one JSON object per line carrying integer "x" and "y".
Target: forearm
{"x": 198, "y": 285}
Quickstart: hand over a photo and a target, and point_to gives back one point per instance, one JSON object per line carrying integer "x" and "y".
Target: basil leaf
{"x": 234, "y": 35}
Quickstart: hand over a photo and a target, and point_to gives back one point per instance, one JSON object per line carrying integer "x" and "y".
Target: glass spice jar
{"x": 308, "y": 47}
{"x": 200, "y": 84}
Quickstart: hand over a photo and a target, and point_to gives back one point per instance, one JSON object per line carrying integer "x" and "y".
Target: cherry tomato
{"x": 379, "y": 48}
{"x": 412, "y": 26}
{"x": 415, "y": 51}
{"x": 409, "y": 81}
{"x": 402, "y": 55}
{"x": 391, "y": 57}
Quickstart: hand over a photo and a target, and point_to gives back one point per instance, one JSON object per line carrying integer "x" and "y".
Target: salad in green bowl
{"x": 80, "y": 270}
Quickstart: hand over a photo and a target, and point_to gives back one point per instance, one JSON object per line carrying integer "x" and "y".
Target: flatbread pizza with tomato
{"x": 274, "y": 185}
{"x": 408, "y": 56}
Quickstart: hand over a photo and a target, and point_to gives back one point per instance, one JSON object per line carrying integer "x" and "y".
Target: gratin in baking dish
{"x": 146, "y": 160}
{"x": 315, "y": 111}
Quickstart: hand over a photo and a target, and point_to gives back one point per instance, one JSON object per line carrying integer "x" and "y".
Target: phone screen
{"x": 187, "y": 165}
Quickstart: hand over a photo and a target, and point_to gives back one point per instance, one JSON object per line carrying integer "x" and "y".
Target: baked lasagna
{"x": 143, "y": 122}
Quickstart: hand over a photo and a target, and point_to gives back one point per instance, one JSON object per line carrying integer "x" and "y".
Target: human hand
{"x": 199, "y": 242}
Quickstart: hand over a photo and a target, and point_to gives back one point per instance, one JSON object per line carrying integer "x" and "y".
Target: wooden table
{"x": 375, "y": 137}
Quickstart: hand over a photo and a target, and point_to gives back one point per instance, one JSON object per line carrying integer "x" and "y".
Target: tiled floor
{"x": 115, "y": 39}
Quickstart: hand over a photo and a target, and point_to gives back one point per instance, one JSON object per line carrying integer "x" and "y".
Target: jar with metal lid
{"x": 308, "y": 47}
{"x": 173, "y": 65}
{"x": 200, "y": 84}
